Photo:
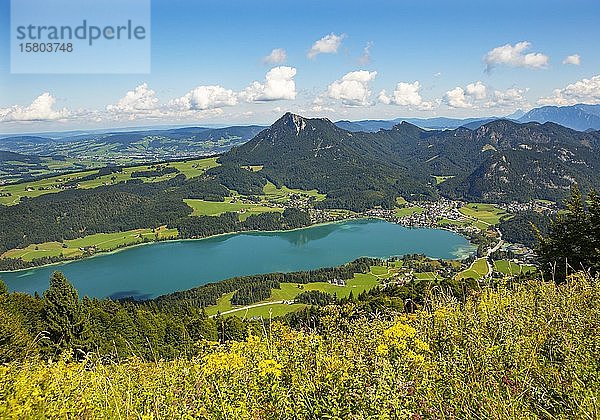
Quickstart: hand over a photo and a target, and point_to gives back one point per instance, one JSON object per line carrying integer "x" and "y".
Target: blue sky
{"x": 424, "y": 59}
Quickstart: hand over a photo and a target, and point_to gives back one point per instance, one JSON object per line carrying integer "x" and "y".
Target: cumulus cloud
{"x": 406, "y": 94}
{"x": 329, "y": 44}
{"x": 204, "y": 98}
{"x": 508, "y": 99}
{"x": 515, "y": 56}
{"x": 456, "y": 98}
{"x": 279, "y": 84}
{"x": 353, "y": 88}
{"x": 478, "y": 95}
{"x": 574, "y": 60}
{"x": 140, "y": 100}
{"x": 277, "y": 56}
{"x": 582, "y": 91}
{"x": 41, "y": 109}
{"x": 477, "y": 90}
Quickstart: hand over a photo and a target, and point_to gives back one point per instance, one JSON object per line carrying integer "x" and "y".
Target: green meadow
{"x": 282, "y": 195}
{"x": 486, "y": 213}
{"x": 231, "y": 204}
{"x": 477, "y": 270}
{"x": 101, "y": 242}
{"x": 12, "y": 194}
{"x": 289, "y": 291}
{"x": 408, "y": 211}
{"x": 511, "y": 268}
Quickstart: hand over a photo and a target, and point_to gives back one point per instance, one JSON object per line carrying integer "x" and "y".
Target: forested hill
{"x": 501, "y": 161}
{"x": 313, "y": 153}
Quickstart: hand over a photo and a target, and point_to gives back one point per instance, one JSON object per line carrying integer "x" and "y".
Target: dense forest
{"x": 521, "y": 228}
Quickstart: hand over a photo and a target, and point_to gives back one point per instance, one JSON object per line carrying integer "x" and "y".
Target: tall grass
{"x": 525, "y": 351}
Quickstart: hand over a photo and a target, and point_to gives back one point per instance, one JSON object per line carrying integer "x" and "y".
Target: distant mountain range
{"x": 150, "y": 144}
{"x": 500, "y": 161}
{"x": 358, "y": 164}
{"x": 437, "y": 123}
{"x": 80, "y": 151}
{"x": 578, "y": 117}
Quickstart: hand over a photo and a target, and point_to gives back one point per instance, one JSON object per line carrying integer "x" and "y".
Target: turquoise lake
{"x": 151, "y": 270}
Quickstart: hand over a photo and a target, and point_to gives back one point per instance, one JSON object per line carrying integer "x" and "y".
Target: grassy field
{"x": 216, "y": 208}
{"x": 12, "y": 194}
{"x": 477, "y": 270}
{"x": 253, "y": 168}
{"x": 282, "y": 195}
{"x": 427, "y": 275}
{"x": 511, "y": 268}
{"x": 486, "y": 213}
{"x": 288, "y": 291}
{"x": 407, "y": 211}
{"x": 440, "y": 179}
{"x": 102, "y": 242}
{"x": 448, "y": 222}
{"x": 194, "y": 168}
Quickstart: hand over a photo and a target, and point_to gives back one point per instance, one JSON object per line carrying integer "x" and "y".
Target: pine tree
{"x": 62, "y": 315}
{"x": 572, "y": 243}
{"x": 594, "y": 231}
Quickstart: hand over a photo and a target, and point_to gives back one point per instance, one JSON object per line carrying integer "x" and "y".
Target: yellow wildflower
{"x": 442, "y": 313}
{"x": 382, "y": 350}
{"x": 399, "y": 332}
{"x": 223, "y": 362}
{"x": 421, "y": 345}
{"x": 270, "y": 367}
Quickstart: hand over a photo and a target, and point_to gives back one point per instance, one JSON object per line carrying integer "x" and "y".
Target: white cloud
{"x": 477, "y": 90}
{"x": 406, "y": 94}
{"x": 514, "y": 56}
{"x": 204, "y": 98}
{"x": 277, "y": 56}
{"x": 140, "y": 100}
{"x": 582, "y": 91}
{"x": 574, "y": 59}
{"x": 456, "y": 98}
{"x": 279, "y": 84}
{"x": 477, "y": 95}
{"x": 365, "y": 58}
{"x": 353, "y": 88}
{"x": 509, "y": 99}
{"x": 41, "y": 109}
{"x": 329, "y": 44}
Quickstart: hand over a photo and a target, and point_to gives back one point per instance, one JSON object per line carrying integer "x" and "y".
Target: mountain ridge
{"x": 499, "y": 161}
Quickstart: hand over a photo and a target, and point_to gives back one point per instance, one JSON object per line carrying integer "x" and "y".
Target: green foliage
{"x": 76, "y": 213}
{"x": 520, "y": 228}
{"x": 203, "y": 226}
{"x": 62, "y": 315}
{"x": 574, "y": 240}
{"x": 523, "y": 351}
{"x": 15, "y": 341}
{"x": 315, "y": 297}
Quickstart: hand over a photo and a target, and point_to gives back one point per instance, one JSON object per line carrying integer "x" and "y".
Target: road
{"x": 492, "y": 250}
{"x": 256, "y": 305}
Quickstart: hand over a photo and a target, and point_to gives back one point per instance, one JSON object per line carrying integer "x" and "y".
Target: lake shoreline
{"x": 187, "y": 263}
{"x": 154, "y": 242}
{"x": 140, "y": 244}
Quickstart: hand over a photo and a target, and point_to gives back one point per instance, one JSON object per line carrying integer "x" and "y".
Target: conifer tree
{"x": 573, "y": 240}
{"x": 62, "y": 315}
